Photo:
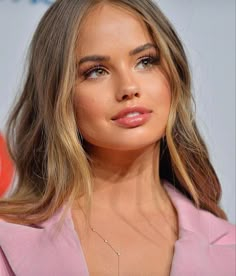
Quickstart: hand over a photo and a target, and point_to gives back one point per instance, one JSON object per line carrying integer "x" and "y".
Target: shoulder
{"x": 40, "y": 249}
{"x": 17, "y": 244}
{"x": 220, "y": 231}
{"x": 17, "y": 234}
{"x": 16, "y": 237}
{"x": 206, "y": 241}
{"x": 203, "y": 222}
{"x": 22, "y": 244}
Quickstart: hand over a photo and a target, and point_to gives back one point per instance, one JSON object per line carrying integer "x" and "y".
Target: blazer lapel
{"x": 42, "y": 249}
{"x": 204, "y": 240}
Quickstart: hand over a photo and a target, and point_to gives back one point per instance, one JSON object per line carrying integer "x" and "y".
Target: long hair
{"x": 51, "y": 163}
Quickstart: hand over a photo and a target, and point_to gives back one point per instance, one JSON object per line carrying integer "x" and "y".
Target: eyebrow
{"x": 133, "y": 52}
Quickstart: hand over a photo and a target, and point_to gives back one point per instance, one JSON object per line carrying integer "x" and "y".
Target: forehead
{"x": 107, "y": 26}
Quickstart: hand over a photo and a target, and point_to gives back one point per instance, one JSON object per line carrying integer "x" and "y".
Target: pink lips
{"x": 133, "y": 121}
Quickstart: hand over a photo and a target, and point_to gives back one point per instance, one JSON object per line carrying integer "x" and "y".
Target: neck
{"x": 127, "y": 180}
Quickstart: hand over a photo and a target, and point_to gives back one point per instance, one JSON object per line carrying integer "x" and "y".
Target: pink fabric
{"x": 206, "y": 245}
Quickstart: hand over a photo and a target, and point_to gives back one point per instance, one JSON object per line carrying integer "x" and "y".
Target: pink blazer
{"x": 205, "y": 247}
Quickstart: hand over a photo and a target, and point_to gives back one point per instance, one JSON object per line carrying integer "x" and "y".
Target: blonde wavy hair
{"x": 51, "y": 163}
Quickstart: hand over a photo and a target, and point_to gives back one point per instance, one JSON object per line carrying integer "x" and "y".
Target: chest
{"x": 134, "y": 259}
{"x": 144, "y": 247}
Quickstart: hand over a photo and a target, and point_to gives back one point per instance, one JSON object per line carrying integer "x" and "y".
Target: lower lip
{"x": 130, "y": 122}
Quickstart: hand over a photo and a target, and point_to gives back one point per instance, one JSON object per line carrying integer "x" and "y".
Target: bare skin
{"x": 131, "y": 208}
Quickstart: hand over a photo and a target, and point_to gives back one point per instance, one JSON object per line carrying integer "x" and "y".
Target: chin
{"x": 126, "y": 145}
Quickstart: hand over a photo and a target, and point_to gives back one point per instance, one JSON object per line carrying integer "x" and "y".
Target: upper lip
{"x": 128, "y": 110}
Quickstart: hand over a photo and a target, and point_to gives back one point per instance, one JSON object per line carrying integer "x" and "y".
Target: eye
{"x": 149, "y": 61}
{"x": 98, "y": 71}
{"x": 94, "y": 72}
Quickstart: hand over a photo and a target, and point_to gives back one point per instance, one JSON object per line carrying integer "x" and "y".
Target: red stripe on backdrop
{"x": 6, "y": 167}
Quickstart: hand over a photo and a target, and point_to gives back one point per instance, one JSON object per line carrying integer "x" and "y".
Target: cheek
{"x": 164, "y": 98}
{"x": 86, "y": 108}
{"x": 160, "y": 94}
{"x": 90, "y": 111}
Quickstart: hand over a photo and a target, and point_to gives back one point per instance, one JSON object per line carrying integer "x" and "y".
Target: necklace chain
{"x": 113, "y": 249}
{"x": 117, "y": 253}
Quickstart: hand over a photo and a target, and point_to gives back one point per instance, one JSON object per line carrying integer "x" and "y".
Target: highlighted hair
{"x": 52, "y": 165}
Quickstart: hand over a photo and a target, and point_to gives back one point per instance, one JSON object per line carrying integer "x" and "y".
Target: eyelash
{"x": 153, "y": 59}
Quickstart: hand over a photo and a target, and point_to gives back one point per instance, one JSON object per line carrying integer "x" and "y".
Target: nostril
{"x": 130, "y": 95}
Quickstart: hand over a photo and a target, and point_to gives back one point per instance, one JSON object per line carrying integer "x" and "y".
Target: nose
{"x": 128, "y": 89}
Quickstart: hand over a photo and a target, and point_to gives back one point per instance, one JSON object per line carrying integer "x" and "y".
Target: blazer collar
{"x": 192, "y": 219}
{"x": 200, "y": 234}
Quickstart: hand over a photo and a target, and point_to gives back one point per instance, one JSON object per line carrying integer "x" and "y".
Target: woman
{"x": 113, "y": 175}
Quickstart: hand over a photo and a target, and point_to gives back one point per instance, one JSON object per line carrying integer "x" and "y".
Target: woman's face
{"x": 122, "y": 97}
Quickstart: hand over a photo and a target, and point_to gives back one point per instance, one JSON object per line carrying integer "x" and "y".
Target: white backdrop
{"x": 207, "y": 29}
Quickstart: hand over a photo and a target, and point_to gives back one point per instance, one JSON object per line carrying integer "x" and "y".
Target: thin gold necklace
{"x": 113, "y": 249}
{"x": 117, "y": 253}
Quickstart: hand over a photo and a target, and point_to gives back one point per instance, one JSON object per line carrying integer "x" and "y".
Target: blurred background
{"x": 207, "y": 29}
